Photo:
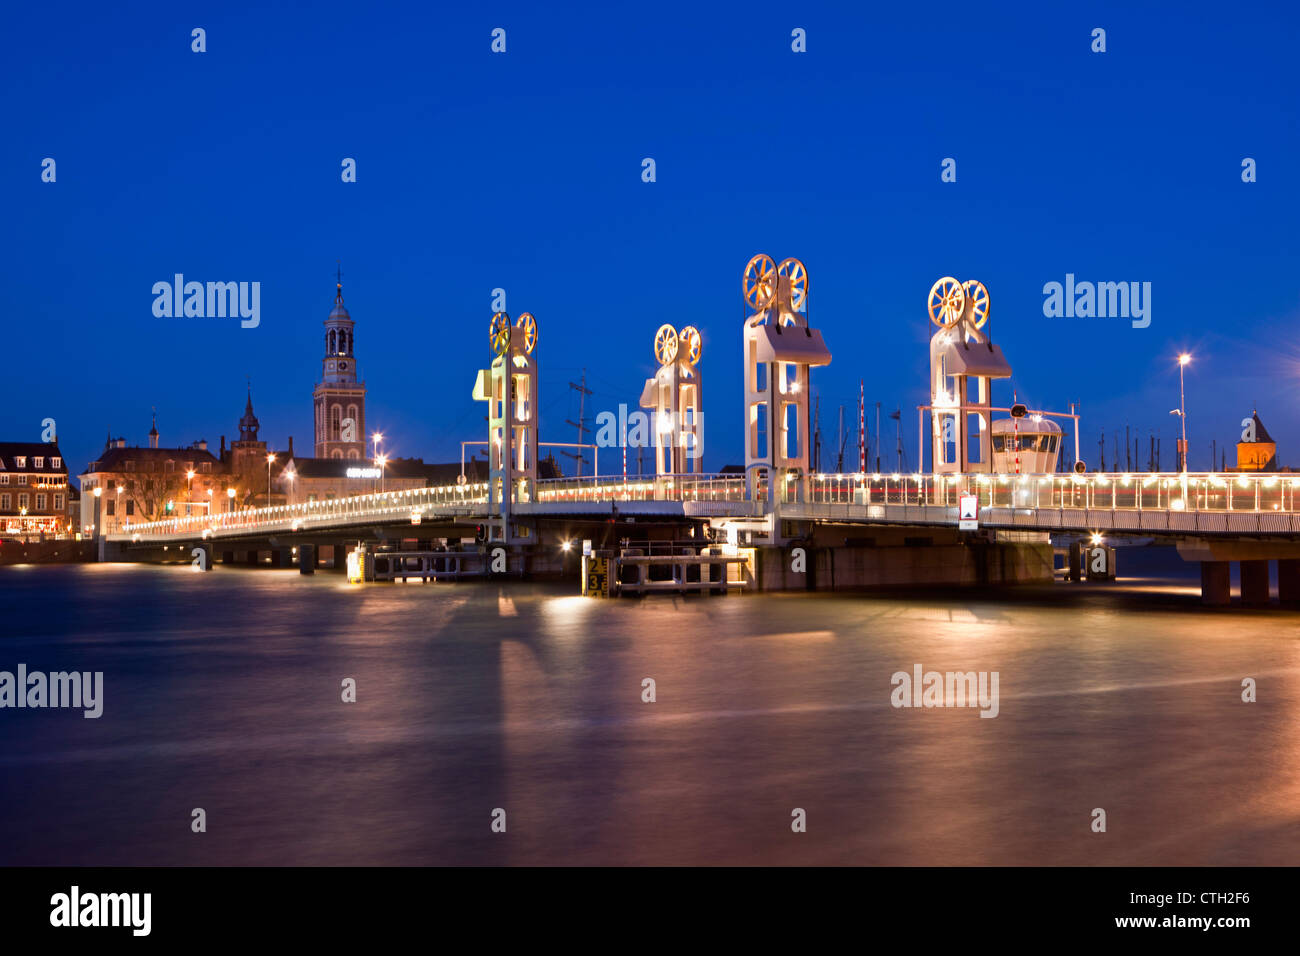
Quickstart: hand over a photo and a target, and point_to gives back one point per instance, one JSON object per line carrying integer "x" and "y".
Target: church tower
{"x": 340, "y": 400}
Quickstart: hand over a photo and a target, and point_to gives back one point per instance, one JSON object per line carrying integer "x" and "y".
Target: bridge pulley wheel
{"x": 528, "y": 326}
{"x": 666, "y": 344}
{"x": 689, "y": 338}
{"x": 977, "y": 301}
{"x": 797, "y": 274}
{"x": 946, "y": 301}
{"x": 499, "y": 332}
{"x": 759, "y": 282}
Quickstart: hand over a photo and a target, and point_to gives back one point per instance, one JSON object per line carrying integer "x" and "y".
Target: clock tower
{"x": 339, "y": 399}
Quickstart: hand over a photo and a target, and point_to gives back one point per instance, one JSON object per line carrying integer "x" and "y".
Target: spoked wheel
{"x": 759, "y": 282}
{"x": 946, "y": 301}
{"x": 528, "y": 326}
{"x": 689, "y": 337}
{"x": 977, "y": 301}
{"x": 666, "y": 344}
{"x": 499, "y": 332}
{"x": 794, "y": 270}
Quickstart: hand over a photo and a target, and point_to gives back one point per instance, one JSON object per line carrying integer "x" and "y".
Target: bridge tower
{"x": 780, "y": 349}
{"x": 510, "y": 389}
{"x": 676, "y": 395}
{"x": 963, "y": 364}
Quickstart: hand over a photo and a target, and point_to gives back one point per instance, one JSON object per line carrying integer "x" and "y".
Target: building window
{"x": 171, "y": 465}
{"x": 20, "y": 461}
{"x": 4, "y": 479}
{"x": 22, "y": 501}
{"x": 22, "y": 479}
{"x": 40, "y": 502}
{"x": 130, "y": 507}
{"x": 112, "y": 507}
{"x": 56, "y": 462}
{"x": 336, "y": 414}
{"x": 5, "y": 502}
{"x": 38, "y": 461}
{"x": 58, "y": 502}
{"x": 337, "y": 453}
{"x": 353, "y": 453}
{"x": 206, "y": 468}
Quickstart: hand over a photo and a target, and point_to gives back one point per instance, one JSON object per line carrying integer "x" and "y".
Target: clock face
{"x": 343, "y": 366}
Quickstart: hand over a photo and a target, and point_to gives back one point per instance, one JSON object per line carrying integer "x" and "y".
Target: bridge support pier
{"x": 227, "y": 557}
{"x": 1288, "y": 580}
{"x": 281, "y": 558}
{"x": 1076, "y": 562}
{"x": 250, "y": 557}
{"x": 1216, "y": 583}
{"x": 306, "y": 559}
{"x": 340, "y": 558}
{"x": 206, "y": 560}
{"x": 1254, "y": 582}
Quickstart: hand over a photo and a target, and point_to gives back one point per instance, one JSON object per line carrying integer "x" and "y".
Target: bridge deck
{"x": 1197, "y": 504}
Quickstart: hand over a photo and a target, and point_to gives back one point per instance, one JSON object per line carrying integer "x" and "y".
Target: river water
{"x": 222, "y": 691}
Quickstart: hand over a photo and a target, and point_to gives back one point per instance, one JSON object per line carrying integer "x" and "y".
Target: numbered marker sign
{"x": 968, "y": 512}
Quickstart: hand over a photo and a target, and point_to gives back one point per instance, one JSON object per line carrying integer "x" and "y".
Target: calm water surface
{"x": 222, "y": 691}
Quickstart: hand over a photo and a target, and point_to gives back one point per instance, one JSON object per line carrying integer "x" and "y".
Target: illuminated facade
{"x": 1260, "y": 452}
{"x": 33, "y": 488}
{"x": 339, "y": 400}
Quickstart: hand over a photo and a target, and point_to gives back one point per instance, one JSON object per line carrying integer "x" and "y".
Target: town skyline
{"x": 945, "y": 173}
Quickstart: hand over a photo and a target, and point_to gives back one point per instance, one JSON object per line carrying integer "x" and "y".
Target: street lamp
{"x": 1183, "y": 359}
{"x": 230, "y": 500}
{"x": 189, "y": 491}
{"x": 270, "y": 457}
{"x": 381, "y": 461}
{"x": 290, "y": 476}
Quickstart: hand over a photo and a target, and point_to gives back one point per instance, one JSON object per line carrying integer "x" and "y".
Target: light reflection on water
{"x": 222, "y": 691}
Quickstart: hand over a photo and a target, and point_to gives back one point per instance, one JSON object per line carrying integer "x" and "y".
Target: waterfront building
{"x": 148, "y": 483}
{"x": 33, "y": 488}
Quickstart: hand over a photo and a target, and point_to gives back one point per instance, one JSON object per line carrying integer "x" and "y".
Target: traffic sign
{"x": 968, "y": 510}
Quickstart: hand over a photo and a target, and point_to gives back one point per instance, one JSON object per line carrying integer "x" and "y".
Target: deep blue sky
{"x": 522, "y": 171}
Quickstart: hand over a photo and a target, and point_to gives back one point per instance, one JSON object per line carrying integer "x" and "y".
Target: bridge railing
{"x": 1165, "y": 492}
{"x": 689, "y": 487}
{"x": 308, "y": 514}
{"x": 1096, "y": 491}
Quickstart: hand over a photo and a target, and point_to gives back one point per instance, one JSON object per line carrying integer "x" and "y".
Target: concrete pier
{"x": 1288, "y": 580}
{"x": 1216, "y": 583}
{"x": 1254, "y": 582}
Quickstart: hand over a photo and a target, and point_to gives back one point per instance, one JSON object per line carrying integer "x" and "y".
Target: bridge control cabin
{"x": 1035, "y": 441}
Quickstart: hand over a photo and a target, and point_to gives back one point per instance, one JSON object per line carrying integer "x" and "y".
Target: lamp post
{"x": 97, "y": 527}
{"x": 270, "y": 457}
{"x": 230, "y": 500}
{"x": 1183, "y": 359}
{"x": 117, "y": 508}
{"x": 381, "y": 461}
{"x": 378, "y": 437}
{"x": 189, "y": 491}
